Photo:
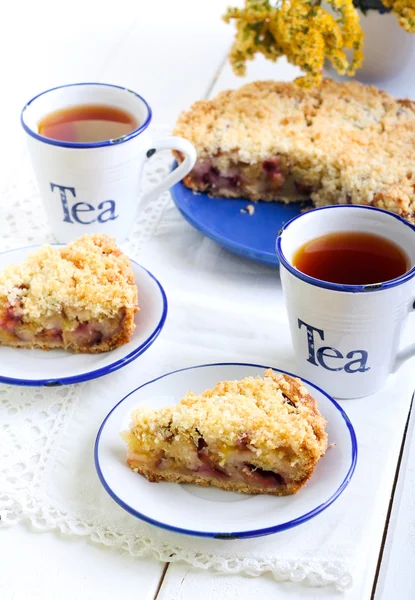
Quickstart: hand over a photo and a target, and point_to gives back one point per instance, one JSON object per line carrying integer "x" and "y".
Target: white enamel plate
{"x": 21, "y": 366}
{"x": 210, "y": 512}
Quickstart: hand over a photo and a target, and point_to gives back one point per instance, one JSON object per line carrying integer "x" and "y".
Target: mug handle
{"x": 407, "y": 352}
{"x": 171, "y": 143}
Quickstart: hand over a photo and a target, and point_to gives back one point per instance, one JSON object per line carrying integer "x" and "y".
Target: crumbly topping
{"x": 89, "y": 277}
{"x": 265, "y": 413}
{"x": 247, "y": 121}
{"x": 349, "y": 142}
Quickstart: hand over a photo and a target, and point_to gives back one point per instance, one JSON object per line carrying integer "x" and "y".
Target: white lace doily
{"x": 47, "y": 474}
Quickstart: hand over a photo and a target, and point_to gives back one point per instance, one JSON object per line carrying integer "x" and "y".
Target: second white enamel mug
{"x": 346, "y": 337}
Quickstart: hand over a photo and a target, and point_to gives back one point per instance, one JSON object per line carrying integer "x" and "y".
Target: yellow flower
{"x": 306, "y": 33}
{"x": 405, "y": 11}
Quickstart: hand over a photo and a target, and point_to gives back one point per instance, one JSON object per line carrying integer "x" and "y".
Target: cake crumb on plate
{"x": 250, "y": 209}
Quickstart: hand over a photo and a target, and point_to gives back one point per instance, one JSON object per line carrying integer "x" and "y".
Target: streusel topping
{"x": 268, "y": 117}
{"x": 267, "y": 413}
{"x": 89, "y": 277}
{"x": 348, "y": 142}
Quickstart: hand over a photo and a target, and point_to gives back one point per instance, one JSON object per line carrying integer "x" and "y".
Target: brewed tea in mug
{"x": 85, "y": 123}
{"x": 351, "y": 258}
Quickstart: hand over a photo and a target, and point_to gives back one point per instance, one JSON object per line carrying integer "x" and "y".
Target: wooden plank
{"x": 396, "y": 576}
{"x": 185, "y": 583}
{"x": 173, "y": 61}
{"x": 47, "y": 566}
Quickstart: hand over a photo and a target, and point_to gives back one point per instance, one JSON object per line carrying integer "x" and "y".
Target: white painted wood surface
{"x": 169, "y": 52}
{"x": 397, "y": 573}
{"x": 50, "y": 566}
{"x": 184, "y": 583}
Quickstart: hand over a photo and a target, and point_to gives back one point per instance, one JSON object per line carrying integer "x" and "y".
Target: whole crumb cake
{"x": 261, "y": 435}
{"x": 81, "y": 297}
{"x": 339, "y": 143}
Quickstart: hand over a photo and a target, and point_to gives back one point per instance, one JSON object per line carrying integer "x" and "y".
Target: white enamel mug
{"x": 95, "y": 187}
{"x": 346, "y": 337}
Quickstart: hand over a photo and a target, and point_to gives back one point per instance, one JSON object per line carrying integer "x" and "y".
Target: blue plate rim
{"x": 122, "y": 362}
{"x": 244, "y": 534}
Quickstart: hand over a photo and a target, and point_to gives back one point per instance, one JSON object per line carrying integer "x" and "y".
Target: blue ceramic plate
{"x": 211, "y": 512}
{"x": 252, "y": 236}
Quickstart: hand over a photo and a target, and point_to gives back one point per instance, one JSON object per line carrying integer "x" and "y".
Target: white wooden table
{"x": 172, "y": 53}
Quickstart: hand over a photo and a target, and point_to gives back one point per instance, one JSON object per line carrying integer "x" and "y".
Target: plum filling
{"x": 201, "y": 444}
{"x": 303, "y": 189}
{"x": 53, "y": 333}
{"x": 15, "y": 327}
{"x": 215, "y": 179}
{"x": 10, "y": 319}
{"x": 87, "y": 335}
{"x": 271, "y": 165}
{"x": 242, "y": 441}
{"x": 209, "y": 465}
{"x": 288, "y": 400}
{"x": 273, "y": 174}
{"x": 227, "y": 465}
{"x": 56, "y": 330}
{"x": 212, "y": 472}
{"x": 271, "y": 177}
{"x": 262, "y": 478}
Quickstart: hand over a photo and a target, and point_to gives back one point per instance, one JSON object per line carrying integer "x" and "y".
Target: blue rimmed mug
{"x": 95, "y": 187}
{"x": 346, "y": 337}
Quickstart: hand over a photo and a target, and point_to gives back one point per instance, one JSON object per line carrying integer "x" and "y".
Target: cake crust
{"x": 257, "y": 435}
{"x": 338, "y": 143}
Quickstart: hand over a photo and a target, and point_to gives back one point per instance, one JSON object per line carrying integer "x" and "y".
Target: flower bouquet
{"x": 311, "y": 32}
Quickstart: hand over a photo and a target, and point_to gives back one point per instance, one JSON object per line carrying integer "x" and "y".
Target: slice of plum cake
{"x": 81, "y": 297}
{"x": 261, "y": 435}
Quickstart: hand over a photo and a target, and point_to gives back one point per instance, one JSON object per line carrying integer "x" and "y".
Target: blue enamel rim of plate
{"x": 78, "y": 145}
{"x": 241, "y": 534}
{"x": 337, "y": 286}
{"x": 104, "y": 370}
